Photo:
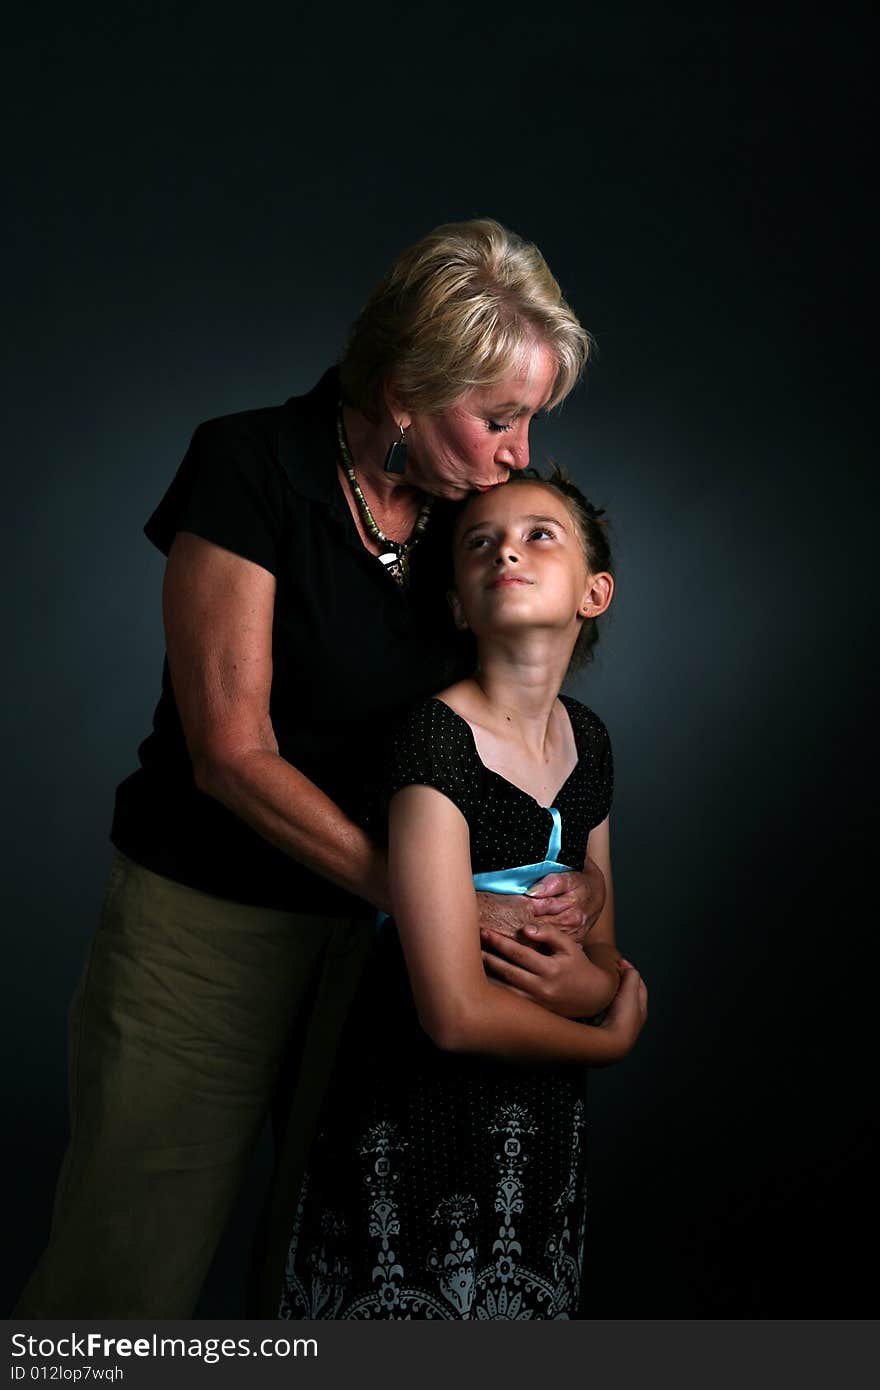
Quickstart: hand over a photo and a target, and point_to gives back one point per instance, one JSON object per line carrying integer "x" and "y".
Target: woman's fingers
{"x": 554, "y": 906}
{"x": 549, "y": 886}
{"x": 554, "y": 895}
{"x": 576, "y": 898}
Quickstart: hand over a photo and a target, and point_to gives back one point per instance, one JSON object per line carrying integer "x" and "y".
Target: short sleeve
{"x": 229, "y": 489}
{"x": 433, "y": 747}
{"x": 595, "y": 758}
{"x": 604, "y": 773}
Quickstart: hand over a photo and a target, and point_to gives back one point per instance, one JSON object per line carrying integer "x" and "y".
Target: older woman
{"x": 304, "y": 606}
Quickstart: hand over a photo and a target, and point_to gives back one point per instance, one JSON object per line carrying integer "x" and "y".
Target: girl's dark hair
{"x": 592, "y": 527}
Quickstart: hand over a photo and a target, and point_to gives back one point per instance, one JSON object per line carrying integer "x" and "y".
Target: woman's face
{"x": 474, "y": 444}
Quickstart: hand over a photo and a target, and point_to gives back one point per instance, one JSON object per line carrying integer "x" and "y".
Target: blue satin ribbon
{"x": 522, "y": 876}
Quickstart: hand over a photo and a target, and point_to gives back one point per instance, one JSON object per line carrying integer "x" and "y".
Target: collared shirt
{"x": 350, "y": 648}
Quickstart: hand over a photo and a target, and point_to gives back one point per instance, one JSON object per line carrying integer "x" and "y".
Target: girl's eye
{"x": 540, "y": 532}
{"x": 477, "y": 542}
{"x": 497, "y": 427}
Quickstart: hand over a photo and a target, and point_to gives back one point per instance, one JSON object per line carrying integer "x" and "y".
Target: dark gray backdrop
{"x": 203, "y": 196}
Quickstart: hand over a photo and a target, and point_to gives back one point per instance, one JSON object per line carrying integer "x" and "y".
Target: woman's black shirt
{"x": 350, "y": 649}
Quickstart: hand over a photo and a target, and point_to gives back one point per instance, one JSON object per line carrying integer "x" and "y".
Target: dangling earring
{"x": 395, "y": 459}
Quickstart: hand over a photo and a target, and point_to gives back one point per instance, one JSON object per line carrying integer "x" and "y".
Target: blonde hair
{"x": 460, "y": 308}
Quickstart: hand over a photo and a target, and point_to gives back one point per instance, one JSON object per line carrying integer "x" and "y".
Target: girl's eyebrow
{"x": 530, "y": 518}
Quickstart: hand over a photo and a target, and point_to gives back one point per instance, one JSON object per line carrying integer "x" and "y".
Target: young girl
{"x": 447, "y": 1180}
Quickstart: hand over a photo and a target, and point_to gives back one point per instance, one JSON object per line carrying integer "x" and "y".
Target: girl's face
{"x": 477, "y": 442}
{"x": 520, "y": 564}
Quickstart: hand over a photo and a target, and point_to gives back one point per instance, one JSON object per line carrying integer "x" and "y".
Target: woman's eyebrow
{"x": 516, "y": 407}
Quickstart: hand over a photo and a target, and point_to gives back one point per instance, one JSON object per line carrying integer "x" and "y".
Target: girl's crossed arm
{"x": 547, "y": 966}
{"x": 435, "y": 908}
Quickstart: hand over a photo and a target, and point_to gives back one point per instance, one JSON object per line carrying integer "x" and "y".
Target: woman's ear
{"x": 401, "y": 417}
{"x": 597, "y": 595}
{"x": 457, "y": 611}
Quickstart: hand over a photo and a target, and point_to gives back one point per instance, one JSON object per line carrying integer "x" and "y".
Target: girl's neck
{"x": 515, "y": 687}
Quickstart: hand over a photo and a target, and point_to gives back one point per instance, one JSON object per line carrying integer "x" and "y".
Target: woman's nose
{"x": 513, "y": 452}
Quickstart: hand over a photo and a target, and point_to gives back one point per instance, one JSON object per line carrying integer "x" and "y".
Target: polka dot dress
{"x": 444, "y": 1186}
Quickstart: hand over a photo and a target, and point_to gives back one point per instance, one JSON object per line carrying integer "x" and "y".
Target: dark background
{"x": 203, "y": 196}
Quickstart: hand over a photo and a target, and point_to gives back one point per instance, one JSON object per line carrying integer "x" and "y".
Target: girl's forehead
{"x": 510, "y": 500}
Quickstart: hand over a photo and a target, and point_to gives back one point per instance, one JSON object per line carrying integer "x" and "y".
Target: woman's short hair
{"x": 459, "y": 309}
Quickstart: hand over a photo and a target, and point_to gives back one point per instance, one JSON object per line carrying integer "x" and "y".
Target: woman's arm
{"x": 218, "y": 610}
{"x": 434, "y": 906}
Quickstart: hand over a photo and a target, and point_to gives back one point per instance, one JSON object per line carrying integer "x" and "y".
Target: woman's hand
{"x": 573, "y": 900}
{"x": 547, "y": 966}
{"x": 627, "y": 1013}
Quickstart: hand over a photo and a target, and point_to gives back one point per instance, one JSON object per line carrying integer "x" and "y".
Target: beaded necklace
{"x": 395, "y": 556}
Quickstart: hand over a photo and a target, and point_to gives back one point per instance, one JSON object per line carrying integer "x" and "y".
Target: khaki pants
{"x": 178, "y": 1030}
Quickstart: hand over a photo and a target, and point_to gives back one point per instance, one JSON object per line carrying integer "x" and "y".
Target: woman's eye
{"x": 498, "y": 428}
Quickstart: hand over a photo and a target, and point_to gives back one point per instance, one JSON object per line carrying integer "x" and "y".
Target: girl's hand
{"x": 627, "y": 1012}
{"x": 546, "y": 966}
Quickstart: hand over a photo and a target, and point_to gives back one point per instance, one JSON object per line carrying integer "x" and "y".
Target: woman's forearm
{"x": 286, "y": 808}
{"x": 219, "y": 614}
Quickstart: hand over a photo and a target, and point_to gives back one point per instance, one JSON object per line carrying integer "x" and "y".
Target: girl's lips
{"x": 505, "y": 579}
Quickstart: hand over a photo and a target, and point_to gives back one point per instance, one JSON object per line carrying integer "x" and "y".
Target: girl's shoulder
{"x": 429, "y": 718}
{"x": 431, "y": 732}
{"x": 595, "y": 758}
{"x": 588, "y": 727}
{"x": 433, "y": 746}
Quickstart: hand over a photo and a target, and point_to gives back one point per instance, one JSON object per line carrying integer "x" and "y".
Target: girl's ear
{"x": 401, "y": 417}
{"x": 457, "y": 611}
{"x": 597, "y": 595}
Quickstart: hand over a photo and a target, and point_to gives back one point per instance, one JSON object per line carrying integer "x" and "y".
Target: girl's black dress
{"x": 443, "y": 1185}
